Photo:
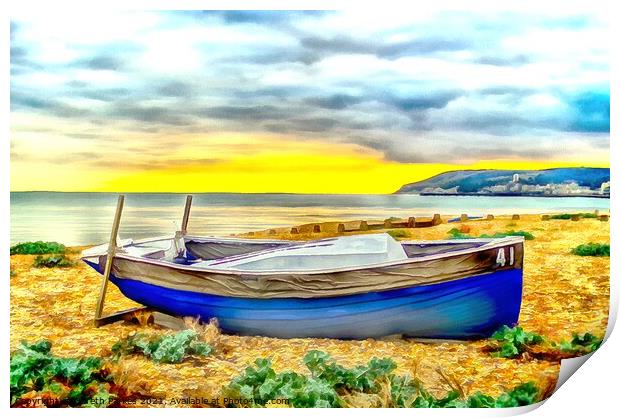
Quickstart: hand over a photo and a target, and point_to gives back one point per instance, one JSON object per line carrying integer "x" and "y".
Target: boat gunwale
{"x": 488, "y": 244}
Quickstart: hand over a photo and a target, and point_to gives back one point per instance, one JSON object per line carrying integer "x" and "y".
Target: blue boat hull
{"x": 467, "y": 308}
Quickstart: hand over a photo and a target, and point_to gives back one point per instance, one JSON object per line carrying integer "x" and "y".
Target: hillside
{"x": 551, "y": 182}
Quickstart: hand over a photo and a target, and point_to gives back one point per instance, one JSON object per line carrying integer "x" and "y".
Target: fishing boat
{"x": 348, "y": 287}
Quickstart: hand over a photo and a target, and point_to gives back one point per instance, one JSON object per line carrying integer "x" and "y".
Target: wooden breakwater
{"x": 363, "y": 225}
{"x": 410, "y": 222}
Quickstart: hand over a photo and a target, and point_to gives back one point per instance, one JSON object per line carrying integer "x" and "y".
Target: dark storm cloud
{"x": 323, "y": 46}
{"x": 104, "y": 95}
{"x": 102, "y": 62}
{"x": 175, "y": 89}
{"x": 499, "y": 152}
{"x": 336, "y": 101}
{"x": 20, "y": 61}
{"x": 429, "y": 151}
{"x": 157, "y": 115}
{"x": 281, "y": 55}
{"x": 280, "y": 92}
{"x": 422, "y": 101}
{"x": 245, "y": 113}
{"x": 317, "y": 124}
{"x": 18, "y": 55}
{"x": 45, "y": 105}
{"x": 19, "y": 100}
{"x": 149, "y": 163}
{"x": 338, "y": 44}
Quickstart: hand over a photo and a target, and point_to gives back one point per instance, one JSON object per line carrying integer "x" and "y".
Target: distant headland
{"x": 553, "y": 182}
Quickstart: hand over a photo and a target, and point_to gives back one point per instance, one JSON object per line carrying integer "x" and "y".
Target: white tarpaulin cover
{"x": 332, "y": 253}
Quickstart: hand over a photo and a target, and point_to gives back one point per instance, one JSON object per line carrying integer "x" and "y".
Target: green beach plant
{"x": 329, "y": 384}
{"x": 38, "y": 247}
{"x": 36, "y": 375}
{"x": 456, "y": 234}
{"x": 593, "y": 250}
{"x": 567, "y": 216}
{"x": 398, "y": 233}
{"x": 528, "y": 236}
{"x": 512, "y": 342}
{"x": 581, "y": 344}
{"x": 57, "y": 260}
{"x": 173, "y": 348}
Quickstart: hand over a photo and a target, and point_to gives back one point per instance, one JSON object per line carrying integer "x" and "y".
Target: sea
{"x": 86, "y": 218}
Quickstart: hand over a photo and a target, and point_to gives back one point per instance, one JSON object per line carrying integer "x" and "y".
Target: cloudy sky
{"x": 302, "y": 101}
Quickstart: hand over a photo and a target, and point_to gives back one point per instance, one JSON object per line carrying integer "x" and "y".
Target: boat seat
{"x": 145, "y": 252}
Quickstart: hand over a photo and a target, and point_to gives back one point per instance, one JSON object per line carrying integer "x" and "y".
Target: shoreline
{"x": 505, "y": 195}
{"x": 311, "y": 194}
{"x": 329, "y": 228}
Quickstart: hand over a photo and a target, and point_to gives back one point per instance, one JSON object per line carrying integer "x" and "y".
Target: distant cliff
{"x": 552, "y": 182}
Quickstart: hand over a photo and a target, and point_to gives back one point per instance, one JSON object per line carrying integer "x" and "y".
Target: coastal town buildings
{"x": 520, "y": 186}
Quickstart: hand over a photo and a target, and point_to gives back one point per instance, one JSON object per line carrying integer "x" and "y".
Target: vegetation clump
{"x": 38, "y": 378}
{"x": 512, "y": 342}
{"x": 581, "y": 344}
{"x": 173, "y": 348}
{"x": 416, "y": 396}
{"x": 398, "y": 233}
{"x": 457, "y": 234}
{"x": 322, "y": 389}
{"x": 329, "y": 384}
{"x": 57, "y": 260}
{"x": 593, "y": 250}
{"x": 38, "y": 247}
{"x": 568, "y": 216}
{"x": 527, "y": 235}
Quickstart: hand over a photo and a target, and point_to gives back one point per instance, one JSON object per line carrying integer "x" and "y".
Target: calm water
{"x": 86, "y": 218}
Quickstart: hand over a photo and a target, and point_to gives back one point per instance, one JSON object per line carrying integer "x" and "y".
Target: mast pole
{"x": 188, "y": 205}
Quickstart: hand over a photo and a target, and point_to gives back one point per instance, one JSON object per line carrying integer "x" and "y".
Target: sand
{"x": 563, "y": 294}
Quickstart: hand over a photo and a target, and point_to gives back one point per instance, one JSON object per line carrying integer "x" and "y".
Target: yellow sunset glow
{"x": 245, "y": 164}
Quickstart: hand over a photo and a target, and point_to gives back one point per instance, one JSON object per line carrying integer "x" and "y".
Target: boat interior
{"x": 215, "y": 252}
